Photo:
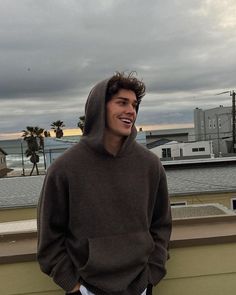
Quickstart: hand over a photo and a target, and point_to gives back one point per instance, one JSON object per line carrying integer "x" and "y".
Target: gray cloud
{"x": 52, "y": 52}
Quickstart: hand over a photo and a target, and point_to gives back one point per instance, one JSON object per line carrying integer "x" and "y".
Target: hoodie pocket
{"x": 115, "y": 261}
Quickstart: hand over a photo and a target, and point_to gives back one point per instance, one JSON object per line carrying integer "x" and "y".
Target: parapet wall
{"x": 202, "y": 260}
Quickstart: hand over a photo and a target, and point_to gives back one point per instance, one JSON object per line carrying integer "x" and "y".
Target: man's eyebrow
{"x": 126, "y": 99}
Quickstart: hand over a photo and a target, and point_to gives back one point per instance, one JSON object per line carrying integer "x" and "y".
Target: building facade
{"x": 179, "y": 134}
{"x": 3, "y": 165}
{"x": 215, "y": 124}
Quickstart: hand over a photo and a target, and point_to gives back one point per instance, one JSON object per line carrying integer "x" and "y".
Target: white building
{"x": 177, "y": 134}
{"x": 184, "y": 150}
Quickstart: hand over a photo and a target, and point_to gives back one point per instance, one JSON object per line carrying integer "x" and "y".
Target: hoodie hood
{"x": 95, "y": 120}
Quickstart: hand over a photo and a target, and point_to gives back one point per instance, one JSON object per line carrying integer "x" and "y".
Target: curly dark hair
{"x": 125, "y": 81}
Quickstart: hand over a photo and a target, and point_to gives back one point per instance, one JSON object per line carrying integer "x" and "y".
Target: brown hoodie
{"x": 104, "y": 220}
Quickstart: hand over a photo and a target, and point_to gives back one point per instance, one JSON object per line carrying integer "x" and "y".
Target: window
{"x": 209, "y": 121}
{"x": 202, "y": 124}
{"x": 214, "y": 123}
{"x": 233, "y": 203}
{"x": 184, "y": 203}
{"x": 200, "y": 149}
{"x": 219, "y": 122}
{"x": 166, "y": 153}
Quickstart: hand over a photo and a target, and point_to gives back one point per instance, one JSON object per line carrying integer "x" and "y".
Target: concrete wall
{"x": 14, "y": 214}
{"x": 199, "y": 124}
{"x": 195, "y": 270}
{"x": 206, "y": 198}
{"x": 202, "y": 260}
{"x": 201, "y": 270}
{"x": 25, "y": 278}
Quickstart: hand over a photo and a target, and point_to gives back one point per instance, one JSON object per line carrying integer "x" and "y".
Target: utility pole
{"x": 232, "y": 93}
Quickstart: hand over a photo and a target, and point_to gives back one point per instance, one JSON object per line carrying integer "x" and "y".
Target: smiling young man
{"x": 104, "y": 219}
{"x": 120, "y": 117}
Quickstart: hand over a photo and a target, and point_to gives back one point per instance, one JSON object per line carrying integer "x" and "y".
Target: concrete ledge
{"x": 18, "y": 240}
{"x": 18, "y": 227}
{"x": 21, "y": 250}
{"x": 202, "y": 259}
{"x": 204, "y": 231}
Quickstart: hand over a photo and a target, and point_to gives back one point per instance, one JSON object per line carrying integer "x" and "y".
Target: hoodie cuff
{"x": 64, "y": 274}
{"x": 156, "y": 273}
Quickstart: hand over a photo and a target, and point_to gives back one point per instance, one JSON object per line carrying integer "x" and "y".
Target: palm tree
{"x": 57, "y": 127}
{"x": 46, "y": 133}
{"x": 35, "y": 142}
{"x": 81, "y": 123}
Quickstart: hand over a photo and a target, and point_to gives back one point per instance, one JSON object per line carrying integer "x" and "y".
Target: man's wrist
{"x": 76, "y": 288}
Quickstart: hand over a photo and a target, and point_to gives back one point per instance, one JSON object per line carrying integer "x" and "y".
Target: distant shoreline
{"x": 77, "y": 131}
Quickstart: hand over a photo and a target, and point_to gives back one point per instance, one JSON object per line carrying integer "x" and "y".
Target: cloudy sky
{"x": 53, "y": 51}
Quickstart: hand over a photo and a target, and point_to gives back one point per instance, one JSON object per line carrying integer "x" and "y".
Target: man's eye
{"x": 122, "y": 103}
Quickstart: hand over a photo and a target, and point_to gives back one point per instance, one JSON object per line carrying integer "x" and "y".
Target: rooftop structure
{"x": 24, "y": 191}
{"x": 201, "y": 180}
{"x": 200, "y": 210}
{"x": 203, "y": 162}
{"x": 20, "y": 191}
{"x": 179, "y": 134}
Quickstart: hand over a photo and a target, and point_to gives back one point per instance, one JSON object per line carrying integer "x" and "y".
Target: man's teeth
{"x": 126, "y": 121}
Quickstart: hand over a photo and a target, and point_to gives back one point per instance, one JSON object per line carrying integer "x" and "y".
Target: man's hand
{"x": 76, "y": 288}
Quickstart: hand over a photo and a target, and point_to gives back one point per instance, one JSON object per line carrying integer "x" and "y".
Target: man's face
{"x": 121, "y": 113}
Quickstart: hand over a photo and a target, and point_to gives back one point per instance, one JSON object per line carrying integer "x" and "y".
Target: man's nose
{"x": 131, "y": 109}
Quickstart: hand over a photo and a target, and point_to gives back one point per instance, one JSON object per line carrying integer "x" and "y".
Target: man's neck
{"x": 113, "y": 143}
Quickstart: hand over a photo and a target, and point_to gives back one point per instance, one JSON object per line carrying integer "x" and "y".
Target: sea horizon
{"x": 76, "y": 131}
{"x": 15, "y": 158}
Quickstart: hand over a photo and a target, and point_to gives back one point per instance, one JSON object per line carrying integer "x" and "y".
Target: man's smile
{"x": 126, "y": 120}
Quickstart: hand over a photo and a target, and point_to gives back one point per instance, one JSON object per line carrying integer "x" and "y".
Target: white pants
{"x": 84, "y": 291}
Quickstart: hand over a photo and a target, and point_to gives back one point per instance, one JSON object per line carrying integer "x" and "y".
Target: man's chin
{"x": 126, "y": 133}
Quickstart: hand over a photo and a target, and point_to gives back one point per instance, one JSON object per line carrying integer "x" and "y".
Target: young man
{"x": 104, "y": 219}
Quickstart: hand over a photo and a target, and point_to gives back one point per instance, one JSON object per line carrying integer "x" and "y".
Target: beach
{"x": 16, "y": 159}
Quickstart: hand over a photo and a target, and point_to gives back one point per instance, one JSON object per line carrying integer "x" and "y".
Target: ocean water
{"x": 16, "y": 159}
